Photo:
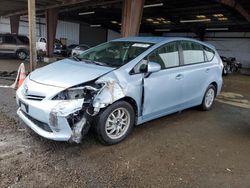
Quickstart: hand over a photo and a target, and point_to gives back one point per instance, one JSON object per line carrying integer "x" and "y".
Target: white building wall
{"x": 239, "y": 48}
{"x": 68, "y": 30}
{"x": 231, "y": 44}
{"x": 64, "y": 29}
{"x": 4, "y": 25}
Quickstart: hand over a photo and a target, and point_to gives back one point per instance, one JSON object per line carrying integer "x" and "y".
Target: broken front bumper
{"x": 52, "y": 135}
{"x": 50, "y": 118}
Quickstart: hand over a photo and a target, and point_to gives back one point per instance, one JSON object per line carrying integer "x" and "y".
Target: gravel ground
{"x": 187, "y": 149}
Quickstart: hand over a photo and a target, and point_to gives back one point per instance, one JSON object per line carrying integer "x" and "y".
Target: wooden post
{"x": 131, "y": 17}
{"x": 32, "y": 33}
{"x": 51, "y": 16}
{"x": 14, "y": 24}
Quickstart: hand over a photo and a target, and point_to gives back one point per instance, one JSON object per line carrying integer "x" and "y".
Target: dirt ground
{"x": 8, "y": 63}
{"x": 187, "y": 149}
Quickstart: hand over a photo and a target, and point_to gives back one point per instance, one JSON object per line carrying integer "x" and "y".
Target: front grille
{"x": 34, "y": 97}
{"x": 40, "y": 124}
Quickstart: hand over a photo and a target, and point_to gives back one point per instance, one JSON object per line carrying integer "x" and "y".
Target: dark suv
{"x": 13, "y": 44}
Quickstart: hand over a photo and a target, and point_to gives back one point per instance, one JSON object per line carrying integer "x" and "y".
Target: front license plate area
{"x": 24, "y": 107}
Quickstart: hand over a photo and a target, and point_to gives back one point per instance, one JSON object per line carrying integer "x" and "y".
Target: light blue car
{"x": 117, "y": 85}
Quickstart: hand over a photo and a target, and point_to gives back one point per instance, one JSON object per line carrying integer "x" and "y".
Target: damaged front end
{"x": 79, "y": 104}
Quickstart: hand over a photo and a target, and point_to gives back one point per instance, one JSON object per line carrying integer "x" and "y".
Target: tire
{"x": 21, "y": 54}
{"x": 108, "y": 123}
{"x": 208, "y": 98}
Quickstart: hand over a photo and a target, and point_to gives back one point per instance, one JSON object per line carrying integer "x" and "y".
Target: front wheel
{"x": 208, "y": 98}
{"x": 115, "y": 123}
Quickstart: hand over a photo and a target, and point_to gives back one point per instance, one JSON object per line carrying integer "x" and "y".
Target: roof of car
{"x": 153, "y": 39}
{"x": 156, "y": 40}
{"x": 143, "y": 39}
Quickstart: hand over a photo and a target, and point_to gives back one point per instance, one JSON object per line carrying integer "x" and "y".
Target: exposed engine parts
{"x": 81, "y": 103}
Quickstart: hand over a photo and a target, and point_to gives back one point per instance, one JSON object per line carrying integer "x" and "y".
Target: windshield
{"x": 114, "y": 54}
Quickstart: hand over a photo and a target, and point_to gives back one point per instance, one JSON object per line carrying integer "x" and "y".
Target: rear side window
{"x": 167, "y": 56}
{"x": 23, "y": 39}
{"x": 192, "y": 52}
{"x": 209, "y": 53}
{"x": 9, "y": 40}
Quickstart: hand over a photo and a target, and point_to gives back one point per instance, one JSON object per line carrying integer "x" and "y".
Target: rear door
{"x": 162, "y": 90}
{"x": 196, "y": 68}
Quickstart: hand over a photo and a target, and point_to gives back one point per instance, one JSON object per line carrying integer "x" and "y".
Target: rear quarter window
{"x": 23, "y": 39}
{"x": 9, "y": 40}
{"x": 209, "y": 53}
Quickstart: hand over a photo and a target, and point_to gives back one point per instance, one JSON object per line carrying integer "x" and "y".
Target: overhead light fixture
{"x": 156, "y": 22}
{"x": 218, "y": 15}
{"x": 201, "y": 16}
{"x": 166, "y": 21}
{"x": 162, "y": 29}
{"x": 160, "y": 19}
{"x": 96, "y": 25}
{"x": 149, "y": 19}
{"x": 223, "y": 19}
{"x": 153, "y": 5}
{"x": 193, "y": 21}
{"x": 217, "y": 29}
{"x": 114, "y": 22}
{"x": 86, "y": 13}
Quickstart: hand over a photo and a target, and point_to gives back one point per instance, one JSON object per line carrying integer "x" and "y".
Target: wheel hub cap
{"x": 209, "y": 97}
{"x": 117, "y": 123}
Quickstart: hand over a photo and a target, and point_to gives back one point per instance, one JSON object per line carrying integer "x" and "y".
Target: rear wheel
{"x": 21, "y": 54}
{"x": 115, "y": 123}
{"x": 208, "y": 98}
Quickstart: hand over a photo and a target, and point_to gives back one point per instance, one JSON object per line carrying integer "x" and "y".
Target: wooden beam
{"x": 56, "y": 5}
{"x": 14, "y": 24}
{"x": 131, "y": 17}
{"x": 32, "y": 33}
{"x": 51, "y": 16}
{"x": 237, "y": 6}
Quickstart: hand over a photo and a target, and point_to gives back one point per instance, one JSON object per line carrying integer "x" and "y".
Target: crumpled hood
{"x": 67, "y": 73}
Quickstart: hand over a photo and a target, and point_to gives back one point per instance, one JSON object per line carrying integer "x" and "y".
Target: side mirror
{"x": 153, "y": 67}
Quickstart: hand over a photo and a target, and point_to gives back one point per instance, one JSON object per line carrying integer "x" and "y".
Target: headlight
{"x": 78, "y": 92}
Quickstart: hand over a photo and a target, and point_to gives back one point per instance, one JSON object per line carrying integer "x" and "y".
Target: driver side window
{"x": 166, "y": 56}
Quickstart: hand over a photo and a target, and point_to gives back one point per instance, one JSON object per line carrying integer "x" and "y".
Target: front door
{"x": 162, "y": 90}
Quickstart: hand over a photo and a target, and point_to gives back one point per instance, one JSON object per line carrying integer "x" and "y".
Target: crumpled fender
{"x": 110, "y": 92}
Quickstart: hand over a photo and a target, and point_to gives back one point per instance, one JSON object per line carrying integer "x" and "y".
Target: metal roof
{"x": 171, "y": 16}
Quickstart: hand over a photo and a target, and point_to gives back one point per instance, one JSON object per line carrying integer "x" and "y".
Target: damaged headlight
{"x": 79, "y": 92}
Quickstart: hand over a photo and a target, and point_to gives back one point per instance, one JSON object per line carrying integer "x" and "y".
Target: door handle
{"x": 207, "y": 70}
{"x": 179, "y": 77}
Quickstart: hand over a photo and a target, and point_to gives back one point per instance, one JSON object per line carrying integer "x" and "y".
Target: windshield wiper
{"x": 94, "y": 62}
{"x": 76, "y": 58}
